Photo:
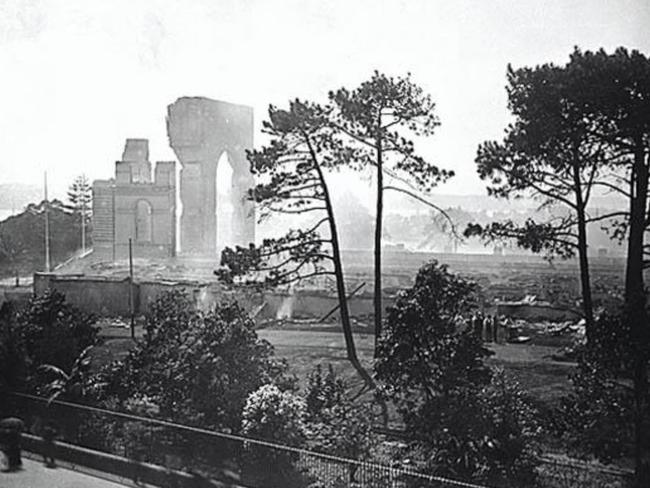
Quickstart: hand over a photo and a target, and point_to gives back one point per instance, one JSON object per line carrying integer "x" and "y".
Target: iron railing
{"x": 245, "y": 461}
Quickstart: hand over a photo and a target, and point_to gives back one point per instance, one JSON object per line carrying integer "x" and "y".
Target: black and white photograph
{"x": 325, "y": 244}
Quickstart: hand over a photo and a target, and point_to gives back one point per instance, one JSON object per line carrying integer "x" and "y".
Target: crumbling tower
{"x": 133, "y": 206}
{"x": 200, "y": 130}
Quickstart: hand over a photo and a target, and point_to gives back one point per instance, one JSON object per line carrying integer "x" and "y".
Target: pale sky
{"x": 78, "y": 77}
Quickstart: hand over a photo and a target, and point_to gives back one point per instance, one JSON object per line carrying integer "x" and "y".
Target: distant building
{"x": 133, "y": 206}
{"x": 206, "y": 136}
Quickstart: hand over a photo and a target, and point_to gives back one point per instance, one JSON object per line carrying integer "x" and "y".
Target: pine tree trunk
{"x": 342, "y": 298}
{"x": 635, "y": 304}
{"x": 378, "y": 235}
{"x": 340, "y": 284}
{"x": 585, "y": 281}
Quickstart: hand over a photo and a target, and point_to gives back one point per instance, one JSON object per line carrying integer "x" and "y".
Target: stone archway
{"x": 200, "y": 130}
{"x": 143, "y": 221}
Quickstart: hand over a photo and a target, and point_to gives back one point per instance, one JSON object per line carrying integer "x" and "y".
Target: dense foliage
{"x": 291, "y": 173}
{"x": 274, "y": 415}
{"x": 425, "y": 353}
{"x": 379, "y": 121}
{"x": 279, "y": 417}
{"x": 47, "y": 331}
{"x": 597, "y": 417}
{"x": 337, "y": 424}
{"x": 464, "y": 420}
{"x": 13, "y": 362}
{"x": 197, "y": 367}
{"x": 55, "y": 332}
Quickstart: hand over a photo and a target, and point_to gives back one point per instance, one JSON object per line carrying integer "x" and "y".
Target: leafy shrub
{"x": 13, "y": 359}
{"x": 464, "y": 420}
{"x": 337, "y": 425}
{"x": 55, "y": 332}
{"x": 597, "y": 418}
{"x": 277, "y": 416}
{"x": 198, "y": 367}
{"x": 141, "y": 438}
{"x": 424, "y": 354}
{"x": 46, "y": 331}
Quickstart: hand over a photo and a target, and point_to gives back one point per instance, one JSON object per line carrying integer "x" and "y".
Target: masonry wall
{"x": 116, "y": 203}
{"x": 92, "y": 295}
{"x": 162, "y": 202}
{"x": 110, "y": 297}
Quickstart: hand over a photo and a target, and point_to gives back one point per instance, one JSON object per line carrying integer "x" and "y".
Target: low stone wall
{"x": 95, "y": 295}
{"x": 121, "y": 467}
{"x": 110, "y": 297}
{"x": 315, "y": 304}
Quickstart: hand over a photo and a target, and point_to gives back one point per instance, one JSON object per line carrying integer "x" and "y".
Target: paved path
{"x": 35, "y": 475}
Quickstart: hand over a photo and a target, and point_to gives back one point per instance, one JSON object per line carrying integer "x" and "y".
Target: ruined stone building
{"x": 132, "y": 206}
{"x": 210, "y": 139}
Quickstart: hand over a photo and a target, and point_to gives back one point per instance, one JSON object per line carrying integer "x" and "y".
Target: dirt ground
{"x": 529, "y": 364}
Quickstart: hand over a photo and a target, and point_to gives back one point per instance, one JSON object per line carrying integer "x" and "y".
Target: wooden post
{"x": 131, "y": 298}
{"x": 47, "y": 225}
{"x": 83, "y": 228}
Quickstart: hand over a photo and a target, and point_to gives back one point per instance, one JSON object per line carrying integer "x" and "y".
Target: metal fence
{"x": 244, "y": 461}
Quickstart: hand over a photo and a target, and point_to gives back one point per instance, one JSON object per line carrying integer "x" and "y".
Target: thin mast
{"x": 47, "y": 225}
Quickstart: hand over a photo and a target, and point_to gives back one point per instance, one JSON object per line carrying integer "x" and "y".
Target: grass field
{"x": 529, "y": 364}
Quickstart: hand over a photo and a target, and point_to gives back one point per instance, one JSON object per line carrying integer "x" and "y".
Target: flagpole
{"x": 47, "y": 224}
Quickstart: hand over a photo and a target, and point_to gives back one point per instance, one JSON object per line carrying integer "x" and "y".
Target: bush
{"x": 55, "y": 332}
{"x": 198, "y": 367}
{"x": 425, "y": 354}
{"x": 597, "y": 418}
{"x": 337, "y": 425}
{"x": 274, "y": 415}
{"x": 13, "y": 359}
{"x": 279, "y": 417}
{"x": 463, "y": 420}
{"x": 46, "y": 331}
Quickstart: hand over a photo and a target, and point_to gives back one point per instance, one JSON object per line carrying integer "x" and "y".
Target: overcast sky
{"x": 77, "y": 77}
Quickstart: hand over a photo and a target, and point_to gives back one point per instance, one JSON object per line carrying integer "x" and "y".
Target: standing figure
{"x": 10, "y": 432}
{"x": 487, "y": 328}
{"x": 48, "y": 434}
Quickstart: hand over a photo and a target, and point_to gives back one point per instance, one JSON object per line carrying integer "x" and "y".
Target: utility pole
{"x": 83, "y": 227}
{"x": 47, "y": 224}
{"x": 131, "y": 298}
{"x": 84, "y": 208}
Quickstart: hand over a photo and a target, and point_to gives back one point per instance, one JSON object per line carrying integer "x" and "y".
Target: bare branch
{"x": 426, "y": 202}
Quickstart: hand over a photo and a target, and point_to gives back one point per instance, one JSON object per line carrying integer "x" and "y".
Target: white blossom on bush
{"x": 275, "y": 415}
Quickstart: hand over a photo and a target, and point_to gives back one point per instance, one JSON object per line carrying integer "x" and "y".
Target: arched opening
{"x": 143, "y": 221}
{"x": 224, "y": 204}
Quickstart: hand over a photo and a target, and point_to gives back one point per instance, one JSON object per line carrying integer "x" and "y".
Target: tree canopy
{"x": 462, "y": 418}
{"x": 197, "y": 367}
{"x": 291, "y": 170}
{"x": 378, "y": 120}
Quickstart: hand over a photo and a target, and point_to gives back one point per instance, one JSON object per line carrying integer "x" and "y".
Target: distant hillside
{"x": 22, "y": 242}
{"x": 485, "y": 203}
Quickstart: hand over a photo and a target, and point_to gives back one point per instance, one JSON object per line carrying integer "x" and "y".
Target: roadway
{"x": 35, "y": 475}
